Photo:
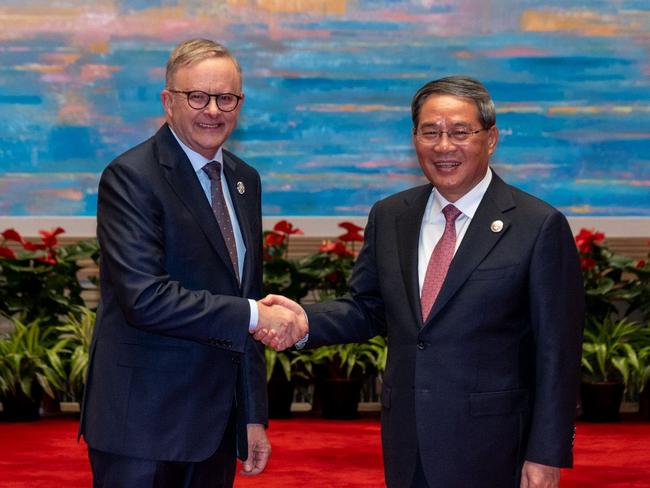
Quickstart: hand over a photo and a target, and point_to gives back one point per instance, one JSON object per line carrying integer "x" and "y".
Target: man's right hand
{"x": 281, "y": 323}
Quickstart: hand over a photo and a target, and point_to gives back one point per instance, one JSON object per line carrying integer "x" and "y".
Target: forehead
{"x": 448, "y": 108}
{"x": 207, "y": 73}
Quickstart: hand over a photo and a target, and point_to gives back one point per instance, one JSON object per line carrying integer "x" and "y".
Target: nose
{"x": 212, "y": 108}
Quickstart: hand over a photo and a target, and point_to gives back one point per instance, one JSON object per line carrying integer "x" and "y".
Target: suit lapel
{"x": 244, "y": 203}
{"x": 409, "y": 223}
{"x": 181, "y": 177}
{"x": 478, "y": 241}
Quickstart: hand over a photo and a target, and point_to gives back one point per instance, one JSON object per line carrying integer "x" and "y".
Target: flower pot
{"x": 644, "y": 402}
{"x": 601, "y": 401}
{"x": 49, "y": 406}
{"x": 69, "y": 407}
{"x": 21, "y": 408}
{"x": 339, "y": 397}
{"x": 280, "y": 392}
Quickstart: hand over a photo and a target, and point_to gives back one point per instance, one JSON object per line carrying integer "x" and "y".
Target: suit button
{"x": 422, "y": 345}
{"x": 236, "y": 360}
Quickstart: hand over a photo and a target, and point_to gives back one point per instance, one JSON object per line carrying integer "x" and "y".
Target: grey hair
{"x": 457, "y": 86}
{"x": 195, "y": 50}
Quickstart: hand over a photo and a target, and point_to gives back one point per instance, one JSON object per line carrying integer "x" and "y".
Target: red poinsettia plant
{"x": 331, "y": 267}
{"x": 38, "y": 280}
{"x": 324, "y": 273}
{"x": 614, "y": 284}
{"x": 281, "y": 275}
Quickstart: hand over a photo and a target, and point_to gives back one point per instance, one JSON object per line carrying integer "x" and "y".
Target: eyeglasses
{"x": 198, "y": 100}
{"x": 431, "y": 136}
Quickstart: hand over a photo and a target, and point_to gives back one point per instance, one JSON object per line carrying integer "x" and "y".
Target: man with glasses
{"x": 176, "y": 385}
{"x": 478, "y": 288}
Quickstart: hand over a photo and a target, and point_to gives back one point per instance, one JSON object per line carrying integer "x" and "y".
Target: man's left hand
{"x": 535, "y": 475}
{"x": 259, "y": 450}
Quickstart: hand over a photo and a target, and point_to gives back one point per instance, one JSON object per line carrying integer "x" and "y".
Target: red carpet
{"x": 315, "y": 452}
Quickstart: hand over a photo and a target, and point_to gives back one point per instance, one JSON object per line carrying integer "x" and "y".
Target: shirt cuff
{"x": 252, "y": 325}
{"x": 301, "y": 343}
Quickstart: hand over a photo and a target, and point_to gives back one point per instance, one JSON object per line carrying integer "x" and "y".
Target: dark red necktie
{"x": 220, "y": 210}
{"x": 439, "y": 261}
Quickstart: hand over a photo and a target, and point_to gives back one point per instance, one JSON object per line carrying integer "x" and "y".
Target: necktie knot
{"x": 451, "y": 213}
{"x": 213, "y": 170}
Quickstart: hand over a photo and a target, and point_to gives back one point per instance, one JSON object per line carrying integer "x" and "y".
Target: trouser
{"x": 218, "y": 471}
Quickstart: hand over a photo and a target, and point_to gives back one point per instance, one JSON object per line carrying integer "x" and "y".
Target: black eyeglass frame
{"x": 210, "y": 96}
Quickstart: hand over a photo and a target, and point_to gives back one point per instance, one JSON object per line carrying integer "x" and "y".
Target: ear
{"x": 493, "y": 139}
{"x": 167, "y": 99}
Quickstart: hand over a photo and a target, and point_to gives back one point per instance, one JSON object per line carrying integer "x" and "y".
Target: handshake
{"x": 281, "y": 322}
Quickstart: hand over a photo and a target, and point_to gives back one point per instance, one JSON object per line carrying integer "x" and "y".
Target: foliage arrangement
{"x": 38, "y": 281}
{"x": 351, "y": 360}
{"x": 23, "y": 360}
{"x": 67, "y": 361}
{"x": 48, "y": 349}
{"x": 320, "y": 276}
{"x": 283, "y": 276}
{"x": 288, "y": 364}
{"x": 609, "y": 351}
{"x": 330, "y": 268}
{"x": 40, "y": 299}
{"x": 616, "y": 345}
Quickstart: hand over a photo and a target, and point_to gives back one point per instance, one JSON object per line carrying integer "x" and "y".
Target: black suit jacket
{"x": 490, "y": 378}
{"x": 171, "y": 355}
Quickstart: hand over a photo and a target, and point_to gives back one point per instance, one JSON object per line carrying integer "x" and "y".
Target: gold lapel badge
{"x": 496, "y": 226}
{"x": 241, "y": 188}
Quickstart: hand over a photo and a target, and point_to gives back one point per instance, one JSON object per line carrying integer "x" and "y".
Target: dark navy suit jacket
{"x": 490, "y": 378}
{"x": 171, "y": 357}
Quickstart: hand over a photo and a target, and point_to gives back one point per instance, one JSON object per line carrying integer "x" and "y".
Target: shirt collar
{"x": 468, "y": 203}
{"x": 197, "y": 160}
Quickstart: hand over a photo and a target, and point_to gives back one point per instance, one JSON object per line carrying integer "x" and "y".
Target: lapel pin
{"x": 496, "y": 226}
{"x": 241, "y": 188}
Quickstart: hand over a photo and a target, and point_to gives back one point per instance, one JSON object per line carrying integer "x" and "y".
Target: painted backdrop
{"x": 328, "y": 85}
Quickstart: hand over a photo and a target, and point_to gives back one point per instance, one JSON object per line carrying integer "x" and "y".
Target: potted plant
{"x": 641, "y": 373}
{"x": 67, "y": 364}
{"x": 284, "y": 370}
{"x": 608, "y": 357}
{"x": 283, "y": 276}
{"x": 340, "y": 372}
{"x": 23, "y": 370}
{"x": 39, "y": 280}
{"x": 616, "y": 291}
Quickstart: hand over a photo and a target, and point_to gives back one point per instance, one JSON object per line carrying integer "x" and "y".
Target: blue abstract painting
{"x": 328, "y": 86}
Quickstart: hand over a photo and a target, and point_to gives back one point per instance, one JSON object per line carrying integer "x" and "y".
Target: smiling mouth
{"x": 446, "y": 164}
{"x": 203, "y": 125}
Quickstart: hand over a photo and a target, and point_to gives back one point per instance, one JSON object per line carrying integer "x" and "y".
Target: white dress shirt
{"x": 433, "y": 221}
{"x": 198, "y": 162}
